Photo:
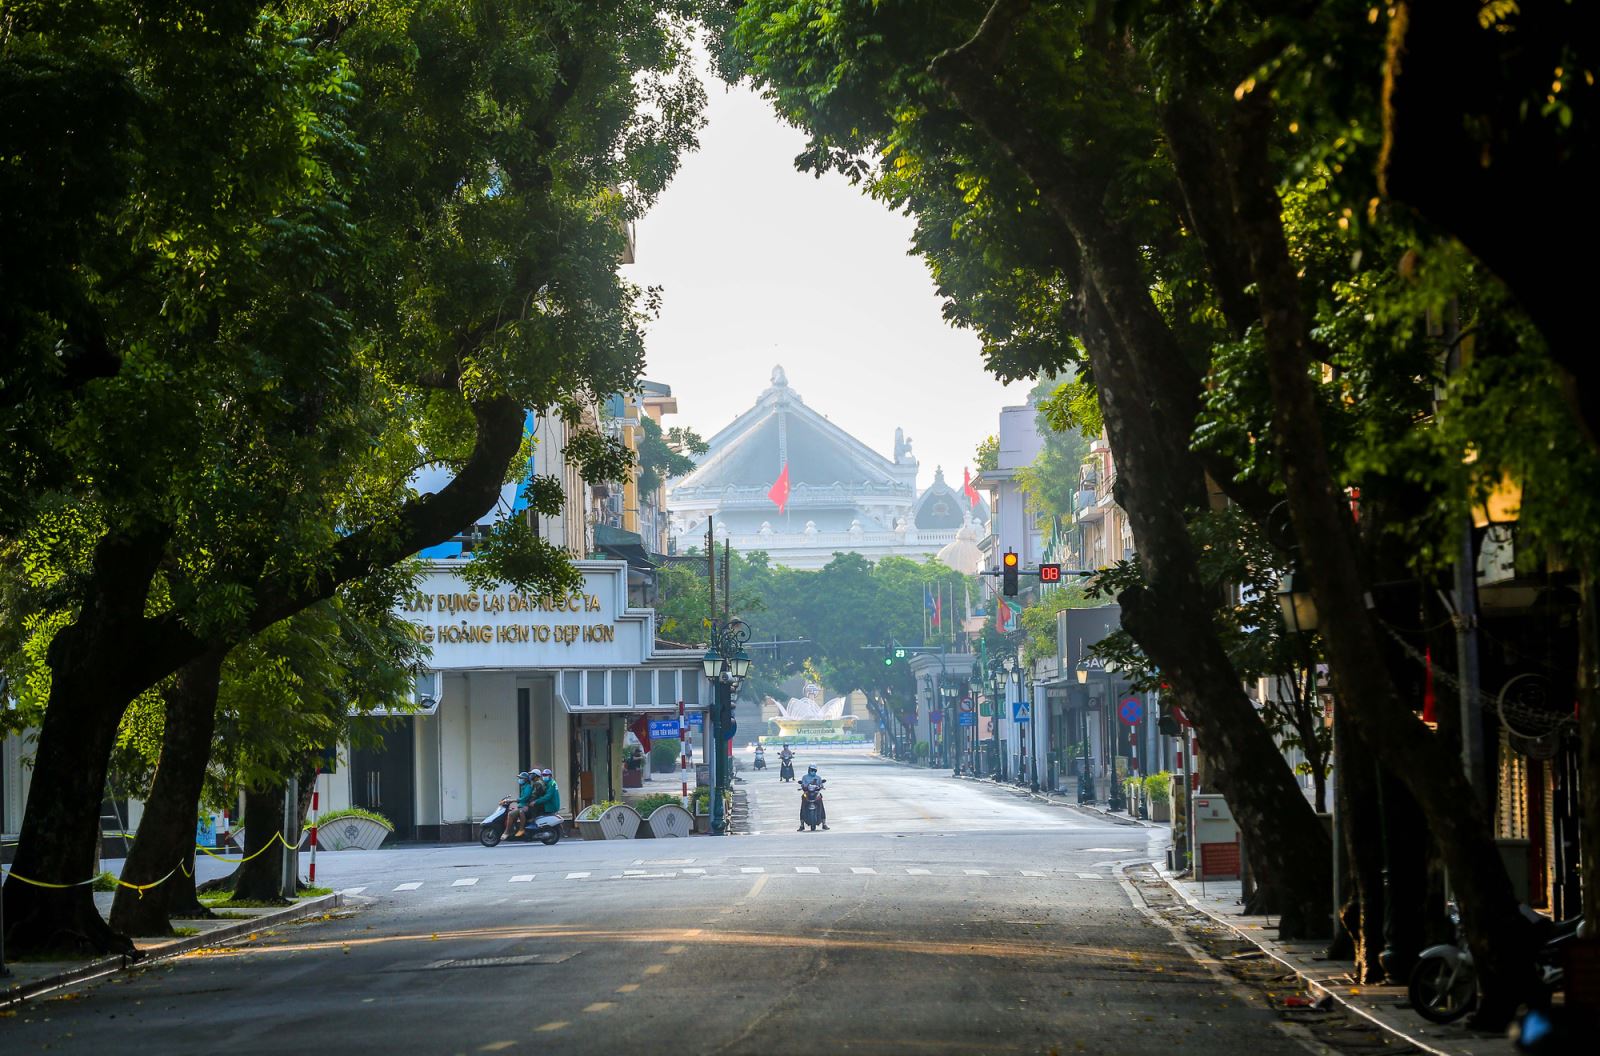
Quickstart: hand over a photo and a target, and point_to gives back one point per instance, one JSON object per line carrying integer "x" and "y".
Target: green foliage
{"x": 987, "y": 455}
{"x": 353, "y": 812}
{"x": 920, "y": 749}
{"x": 649, "y": 803}
{"x": 1038, "y": 620}
{"x": 1158, "y": 786}
{"x": 104, "y": 883}
{"x": 665, "y": 454}
{"x": 664, "y": 753}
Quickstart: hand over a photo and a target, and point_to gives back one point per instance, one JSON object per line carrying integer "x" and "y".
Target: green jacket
{"x": 524, "y": 794}
{"x": 549, "y": 801}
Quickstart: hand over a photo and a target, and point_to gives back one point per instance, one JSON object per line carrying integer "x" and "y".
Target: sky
{"x": 762, "y": 265}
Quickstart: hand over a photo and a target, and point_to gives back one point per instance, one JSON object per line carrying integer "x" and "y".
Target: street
{"x": 937, "y": 916}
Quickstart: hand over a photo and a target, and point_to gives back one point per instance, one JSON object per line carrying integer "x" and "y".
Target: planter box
{"x": 617, "y": 823}
{"x": 1161, "y": 811}
{"x": 590, "y": 830}
{"x": 668, "y": 820}
{"x": 351, "y": 834}
{"x": 702, "y": 823}
{"x": 632, "y": 778}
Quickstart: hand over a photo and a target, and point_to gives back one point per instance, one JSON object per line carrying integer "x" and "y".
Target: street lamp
{"x": 726, "y": 664}
{"x": 1299, "y": 608}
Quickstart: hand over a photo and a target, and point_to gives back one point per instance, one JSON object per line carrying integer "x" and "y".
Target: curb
{"x": 16, "y": 995}
{"x": 1309, "y": 983}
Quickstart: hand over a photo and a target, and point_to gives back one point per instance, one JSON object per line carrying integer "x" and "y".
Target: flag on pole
{"x": 780, "y": 490}
{"x": 1005, "y": 617}
{"x": 938, "y": 606}
{"x": 967, "y": 488}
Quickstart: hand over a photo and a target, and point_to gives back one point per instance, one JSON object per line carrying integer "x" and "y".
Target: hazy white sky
{"x": 762, "y": 265}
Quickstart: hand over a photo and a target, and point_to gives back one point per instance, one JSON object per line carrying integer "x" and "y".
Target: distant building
{"x": 837, "y": 495}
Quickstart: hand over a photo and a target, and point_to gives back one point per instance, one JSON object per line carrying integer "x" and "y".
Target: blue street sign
{"x": 969, "y": 718}
{"x": 1130, "y": 711}
{"x": 936, "y": 717}
{"x": 1020, "y": 711}
{"x": 697, "y": 718}
{"x": 663, "y": 729}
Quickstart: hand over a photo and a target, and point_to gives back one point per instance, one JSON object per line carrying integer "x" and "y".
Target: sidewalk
{"x": 1386, "y": 1007}
{"x": 31, "y": 979}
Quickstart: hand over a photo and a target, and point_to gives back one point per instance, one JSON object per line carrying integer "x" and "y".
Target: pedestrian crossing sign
{"x": 1021, "y": 711}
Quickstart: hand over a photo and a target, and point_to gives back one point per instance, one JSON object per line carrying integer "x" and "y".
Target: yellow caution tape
{"x": 277, "y": 837}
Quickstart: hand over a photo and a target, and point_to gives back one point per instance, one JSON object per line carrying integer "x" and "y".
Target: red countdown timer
{"x": 1049, "y": 573}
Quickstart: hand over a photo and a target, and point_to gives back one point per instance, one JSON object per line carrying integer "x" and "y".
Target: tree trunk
{"x": 1500, "y": 939}
{"x": 96, "y": 670}
{"x": 166, "y": 831}
{"x": 260, "y": 878}
{"x": 1361, "y": 827}
{"x": 1589, "y": 740}
{"x": 1148, "y": 397}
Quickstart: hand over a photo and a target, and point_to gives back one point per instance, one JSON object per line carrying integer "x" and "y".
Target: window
{"x": 620, "y": 697}
{"x": 641, "y": 690}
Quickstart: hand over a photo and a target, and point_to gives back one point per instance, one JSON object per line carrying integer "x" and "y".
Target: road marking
{"x": 525, "y": 878}
{"x": 600, "y": 1006}
{"x": 807, "y": 869}
{"x": 465, "y": 881}
{"x": 755, "y": 889}
{"x": 654, "y": 969}
{"x": 863, "y": 870}
{"x": 976, "y": 872}
{"x": 627, "y": 988}
{"x": 1106, "y": 850}
{"x": 412, "y": 886}
{"x": 496, "y": 1046}
{"x": 698, "y": 872}
{"x": 557, "y": 1025}
{"x": 676, "y": 949}
{"x": 577, "y": 876}
{"x": 1090, "y": 876}
{"x": 1032, "y": 872}
{"x": 352, "y": 891}
{"x": 752, "y": 868}
{"x": 633, "y": 872}
{"x": 917, "y": 872}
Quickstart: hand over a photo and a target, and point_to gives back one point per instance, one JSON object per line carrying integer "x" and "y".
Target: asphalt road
{"x": 938, "y": 916}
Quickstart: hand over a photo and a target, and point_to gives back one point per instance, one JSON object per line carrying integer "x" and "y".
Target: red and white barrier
{"x": 683, "y": 756}
{"x": 316, "y": 793}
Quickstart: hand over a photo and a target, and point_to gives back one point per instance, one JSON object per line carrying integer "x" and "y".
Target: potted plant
{"x": 702, "y": 810}
{"x": 588, "y": 820}
{"x": 609, "y": 821}
{"x": 664, "y": 816}
{"x": 352, "y": 829}
{"x": 1158, "y": 789}
{"x": 664, "y": 756}
{"x": 633, "y": 768}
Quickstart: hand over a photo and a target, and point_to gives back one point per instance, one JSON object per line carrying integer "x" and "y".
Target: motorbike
{"x": 1444, "y": 984}
{"x": 786, "y": 770}
{"x": 546, "y": 828}
{"x": 811, "y": 806}
{"x": 761, "y": 761}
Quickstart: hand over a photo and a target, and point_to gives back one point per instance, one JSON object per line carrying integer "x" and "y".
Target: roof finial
{"x": 780, "y": 380}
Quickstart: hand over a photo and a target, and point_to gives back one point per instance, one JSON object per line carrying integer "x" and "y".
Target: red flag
{"x": 1430, "y": 699}
{"x": 1003, "y": 617}
{"x": 780, "y": 490}
{"x": 967, "y": 488}
{"x": 640, "y": 728}
{"x": 938, "y": 607}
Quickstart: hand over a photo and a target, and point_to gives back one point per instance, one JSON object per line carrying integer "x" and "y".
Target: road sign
{"x": 663, "y": 729}
{"x": 1130, "y": 711}
{"x": 966, "y": 704}
{"x": 1021, "y": 711}
{"x": 968, "y": 718}
{"x": 935, "y": 717}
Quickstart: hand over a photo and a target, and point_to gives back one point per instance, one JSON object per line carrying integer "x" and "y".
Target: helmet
{"x": 811, "y": 769}
{"x": 546, "y": 772}
{"x": 526, "y": 775}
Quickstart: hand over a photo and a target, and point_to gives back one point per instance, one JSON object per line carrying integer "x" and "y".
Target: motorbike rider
{"x": 786, "y": 755}
{"x": 548, "y": 799}
{"x": 810, "y": 781}
{"x": 525, "y": 793}
{"x": 761, "y": 757}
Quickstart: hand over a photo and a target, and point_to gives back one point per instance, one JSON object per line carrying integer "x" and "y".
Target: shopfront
{"x": 520, "y": 681}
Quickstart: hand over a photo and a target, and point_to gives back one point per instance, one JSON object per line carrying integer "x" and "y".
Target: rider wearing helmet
{"x": 548, "y": 800}
{"x": 525, "y": 793}
{"x": 813, "y": 780}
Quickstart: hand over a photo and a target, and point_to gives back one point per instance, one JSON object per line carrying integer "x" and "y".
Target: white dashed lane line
{"x": 412, "y": 886}
{"x": 697, "y": 871}
{"x": 465, "y": 881}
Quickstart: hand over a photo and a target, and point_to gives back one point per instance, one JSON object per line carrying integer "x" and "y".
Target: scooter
{"x": 786, "y": 770}
{"x": 811, "y": 806}
{"x": 1444, "y": 984}
{"x": 546, "y": 828}
{"x": 761, "y": 761}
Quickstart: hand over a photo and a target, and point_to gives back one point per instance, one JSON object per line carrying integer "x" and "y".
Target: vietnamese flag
{"x": 1003, "y": 617}
{"x": 780, "y": 490}
{"x": 967, "y": 488}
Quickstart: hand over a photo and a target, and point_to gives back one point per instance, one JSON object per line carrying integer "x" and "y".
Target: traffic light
{"x": 1049, "y": 573}
{"x": 1008, "y": 574}
{"x": 891, "y": 653}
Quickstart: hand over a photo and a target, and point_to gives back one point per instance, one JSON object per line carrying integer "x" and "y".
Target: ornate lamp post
{"x": 726, "y": 665}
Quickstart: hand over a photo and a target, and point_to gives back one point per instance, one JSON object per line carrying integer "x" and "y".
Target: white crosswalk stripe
{"x": 864, "y": 870}
{"x": 577, "y": 876}
{"x": 698, "y": 871}
{"x": 1090, "y": 876}
{"x": 465, "y": 881}
{"x": 412, "y": 886}
{"x": 695, "y": 872}
{"x": 352, "y": 890}
{"x": 918, "y": 872}
{"x": 752, "y": 868}
{"x": 976, "y": 872}
{"x": 525, "y": 878}
{"x": 1032, "y": 872}
{"x": 807, "y": 869}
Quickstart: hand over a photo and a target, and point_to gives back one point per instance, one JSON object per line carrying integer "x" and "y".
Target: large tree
{"x": 442, "y": 259}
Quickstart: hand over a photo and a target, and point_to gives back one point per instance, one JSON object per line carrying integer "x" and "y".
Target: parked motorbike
{"x": 1444, "y": 984}
{"x": 811, "y": 806}
{"x": 786, "y": 770}
{"x": 546, "y": 828}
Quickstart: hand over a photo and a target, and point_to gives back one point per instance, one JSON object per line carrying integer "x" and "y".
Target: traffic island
{"x": 34, "y": 979}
